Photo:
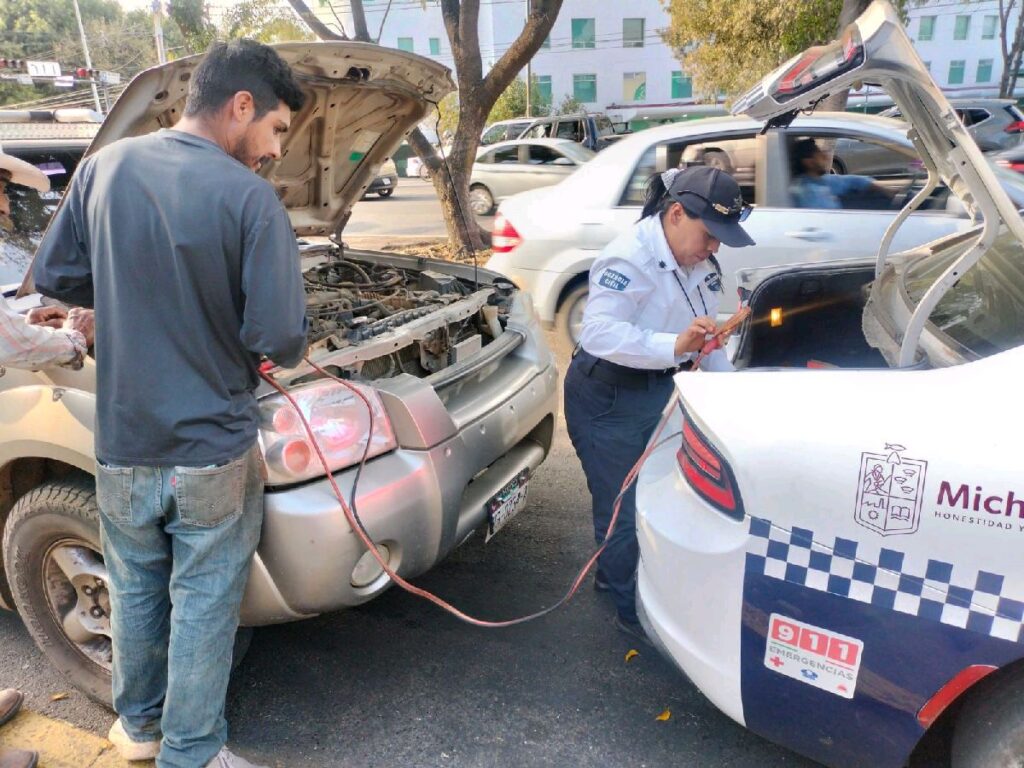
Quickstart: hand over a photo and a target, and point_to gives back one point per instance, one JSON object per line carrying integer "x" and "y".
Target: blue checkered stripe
{"x": 976, "y": 600}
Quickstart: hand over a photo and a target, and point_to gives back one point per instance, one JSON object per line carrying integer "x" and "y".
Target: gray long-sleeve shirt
{"x": 192, "y": 266}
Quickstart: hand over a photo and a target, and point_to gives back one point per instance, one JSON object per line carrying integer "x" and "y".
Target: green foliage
{"x": 728, "y": 45}
{"x": 193, "y": 20}
{"x": 449, "y": 109}
{"x": 512, "y": 103}
{"x": 568, "y": 106}
{"x": 263, "y": 20}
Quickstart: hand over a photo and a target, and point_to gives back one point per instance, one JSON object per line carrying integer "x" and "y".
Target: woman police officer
{"x": 653, "y": 297}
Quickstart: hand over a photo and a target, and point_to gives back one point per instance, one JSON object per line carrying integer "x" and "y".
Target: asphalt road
{"x": 411, "y": 213}
{"x": 399, "y": 683}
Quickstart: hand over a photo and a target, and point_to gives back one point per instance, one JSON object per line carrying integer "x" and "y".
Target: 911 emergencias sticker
{"x": 812, "y": 655}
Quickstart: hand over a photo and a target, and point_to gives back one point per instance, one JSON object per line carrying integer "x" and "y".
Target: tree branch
{"x": 319, "y": 29}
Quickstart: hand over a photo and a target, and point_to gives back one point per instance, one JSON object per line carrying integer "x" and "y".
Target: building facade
{"x": 610, "y": 56}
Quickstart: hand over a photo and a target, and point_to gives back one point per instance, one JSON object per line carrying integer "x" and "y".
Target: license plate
{"x": 386, "y": 182}
{"x": 506, "y": 504}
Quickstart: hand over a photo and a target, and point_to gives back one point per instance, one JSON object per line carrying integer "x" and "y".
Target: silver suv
{"x": 994, "y": 124}
{"x": 451, "y": 357}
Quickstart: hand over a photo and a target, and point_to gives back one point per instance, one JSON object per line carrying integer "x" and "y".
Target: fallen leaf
{"x": 664, "y": 715}
{"x": 58, "y": 696}
{"x": 632, "y": 654}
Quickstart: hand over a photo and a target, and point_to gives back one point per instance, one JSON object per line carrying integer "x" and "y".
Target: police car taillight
{"x": 707, "y": 472}
{"x": 504, "y": 237}
{"x": 820, "y": 64}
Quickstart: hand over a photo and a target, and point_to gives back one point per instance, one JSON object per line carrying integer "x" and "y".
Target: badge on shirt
{"x": 614, "y": 280}
{"x": 713, "y": 282}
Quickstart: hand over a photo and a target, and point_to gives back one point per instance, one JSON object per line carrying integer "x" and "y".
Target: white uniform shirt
{"x": 641, "y": 300}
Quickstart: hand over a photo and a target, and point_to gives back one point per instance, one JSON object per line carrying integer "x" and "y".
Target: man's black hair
{"x": 242, "y": 65}
{"x": 804, "y": 149}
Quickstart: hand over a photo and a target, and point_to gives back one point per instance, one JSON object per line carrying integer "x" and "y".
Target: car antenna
{"x": 458, "y": 200}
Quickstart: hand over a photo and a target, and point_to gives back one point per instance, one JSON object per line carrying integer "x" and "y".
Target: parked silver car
{"x": 462, "y": 386}
{"x": 516, "y": 166}
{"x": 994, "y": 124}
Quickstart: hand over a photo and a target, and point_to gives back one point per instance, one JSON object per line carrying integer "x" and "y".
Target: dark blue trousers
{"x": 609, "y": 426}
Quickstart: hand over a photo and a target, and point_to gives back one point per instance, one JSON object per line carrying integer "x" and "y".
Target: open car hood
{"x": 361, "y": 100}
{"x": 875, "y": 50}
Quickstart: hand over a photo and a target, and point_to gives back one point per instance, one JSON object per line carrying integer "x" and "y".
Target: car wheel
{"x": 386, "y": 192}
{"x": 424, "y": 172}
{"x": 480, "y": 200}
{"x": 569, "y": 318}
{"x": 716, "y": 158}
{"x": 54, "y": 563}
{"x": 989, "y": 729}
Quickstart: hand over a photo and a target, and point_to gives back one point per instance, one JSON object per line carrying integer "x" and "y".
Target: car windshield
{"x": 604, "y": 126}
{"x": 984, "y": 311}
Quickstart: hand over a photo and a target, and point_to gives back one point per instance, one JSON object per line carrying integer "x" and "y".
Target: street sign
{"x": 64, "y": 81}
{"x": 110, "y": 78}
{"x": 43, "y": 68}
{"x": 24, "y": 80}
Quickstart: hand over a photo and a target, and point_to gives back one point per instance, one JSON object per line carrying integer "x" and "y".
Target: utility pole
{"x": 88, "y": 61}
{"x": 158, "y": 33}
{"x": 529, "y": 69}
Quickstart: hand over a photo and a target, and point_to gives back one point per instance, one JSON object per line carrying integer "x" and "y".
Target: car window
{"x": 604, "y": 126}
{"x": 860, "y": 173}
{"x": 515, "y": 130}
{"x": 506, "y": 155}
{"x": 540, "y": 155}
{"x": 984, "y": 310}
{"x": 736, "y": 155}
{"x": 486, "y": 157}
{"x": 569, "y": 129}
{"x": 1014, "y": 112}
{"x": 971, "y": 117}
{"x": 493, "y": 134}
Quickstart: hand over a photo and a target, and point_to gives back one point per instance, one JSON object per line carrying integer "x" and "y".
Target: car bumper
{"x": 419, "y": 502}
{"x": 690, "y": 580}
{"x": 382, "y": 183}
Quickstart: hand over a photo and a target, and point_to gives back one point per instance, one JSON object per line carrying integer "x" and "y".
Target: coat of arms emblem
{"x": 890, "y": 492}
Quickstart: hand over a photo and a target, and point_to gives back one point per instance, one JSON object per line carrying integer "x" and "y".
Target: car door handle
{"x": 811, "y": 234}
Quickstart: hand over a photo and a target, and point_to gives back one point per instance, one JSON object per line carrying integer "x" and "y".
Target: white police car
{"x": 833, "y": 556}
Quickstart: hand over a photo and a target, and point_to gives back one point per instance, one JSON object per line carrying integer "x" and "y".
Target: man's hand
{"x": 693, "y": 338}
{"x": 51, "y": 317}
{"x": 82, "y": 320}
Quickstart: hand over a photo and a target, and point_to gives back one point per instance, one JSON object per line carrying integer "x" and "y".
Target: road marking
{"x": 60, "y": 744}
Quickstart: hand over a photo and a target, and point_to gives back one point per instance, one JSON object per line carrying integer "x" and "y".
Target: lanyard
{"x": 685, "y": 296}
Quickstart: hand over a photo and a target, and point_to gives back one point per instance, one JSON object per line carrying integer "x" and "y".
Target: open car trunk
{"x": 810, "y": 317}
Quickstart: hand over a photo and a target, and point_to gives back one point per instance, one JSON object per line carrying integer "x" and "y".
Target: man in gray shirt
{"x": 192, "y": 266}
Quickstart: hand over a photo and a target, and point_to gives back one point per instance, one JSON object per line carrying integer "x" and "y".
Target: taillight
{"x": 1015, "y": 127}
{"x": 1012, "y": 165}
{"x": 504, "y": 237}
{"x": 707, "y": 472}
{"x": 820, "y": 64}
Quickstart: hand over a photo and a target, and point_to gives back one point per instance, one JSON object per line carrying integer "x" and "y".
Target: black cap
{"x": 715, "y": 198}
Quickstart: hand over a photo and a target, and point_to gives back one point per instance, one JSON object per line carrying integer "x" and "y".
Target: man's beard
{"x": 243, "y": 154}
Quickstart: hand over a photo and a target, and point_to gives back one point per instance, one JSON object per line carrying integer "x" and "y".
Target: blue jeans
{"x": 609, "y": 427}
{"x": 177, "y": 542}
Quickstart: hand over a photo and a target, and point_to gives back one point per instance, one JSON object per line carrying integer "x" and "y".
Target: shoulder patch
{"x": 713, "y": 282}
{"x": 614, "y": 280}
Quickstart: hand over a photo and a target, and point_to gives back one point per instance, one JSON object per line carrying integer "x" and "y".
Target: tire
{"x": 424, "y": 173}
{"x": 989, "y": 729}
{"x": 570, "y": 314}
{"x": 716, "y": 158}
{"x": 481, "y": 201}
{"x": 59, "y": 522}
{"x": 386, "y": 192}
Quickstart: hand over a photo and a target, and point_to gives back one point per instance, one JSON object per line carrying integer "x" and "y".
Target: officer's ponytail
{"x": 657, "y": 200}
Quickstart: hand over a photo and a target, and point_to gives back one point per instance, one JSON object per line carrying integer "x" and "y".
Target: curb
{"x": 62, "y": 745}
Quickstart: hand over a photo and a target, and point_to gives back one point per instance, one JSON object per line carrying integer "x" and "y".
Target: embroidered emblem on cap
{"x": 614, "y": 280}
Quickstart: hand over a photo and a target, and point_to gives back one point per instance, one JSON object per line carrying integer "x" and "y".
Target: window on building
{"x": 542, "y": 88}
{"x": 435, "y": 46}
{"x": 962, "y": 28}
{"x": 634, "y": 86}
{"x": 990, "y": 28}
{"x": 405, "y": 44}
{"x": 956, "y": 72}
{"x": 926, "y": 28}
{"x": 682, "y": 86}
{"x": 984, "y": 74}
{"x": 584, "y": 88}
{"x": 583, "y": 33}
{"x": 632, "y": 33}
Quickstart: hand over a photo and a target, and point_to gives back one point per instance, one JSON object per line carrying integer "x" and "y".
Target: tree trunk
{"x": 318, "y": 28}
